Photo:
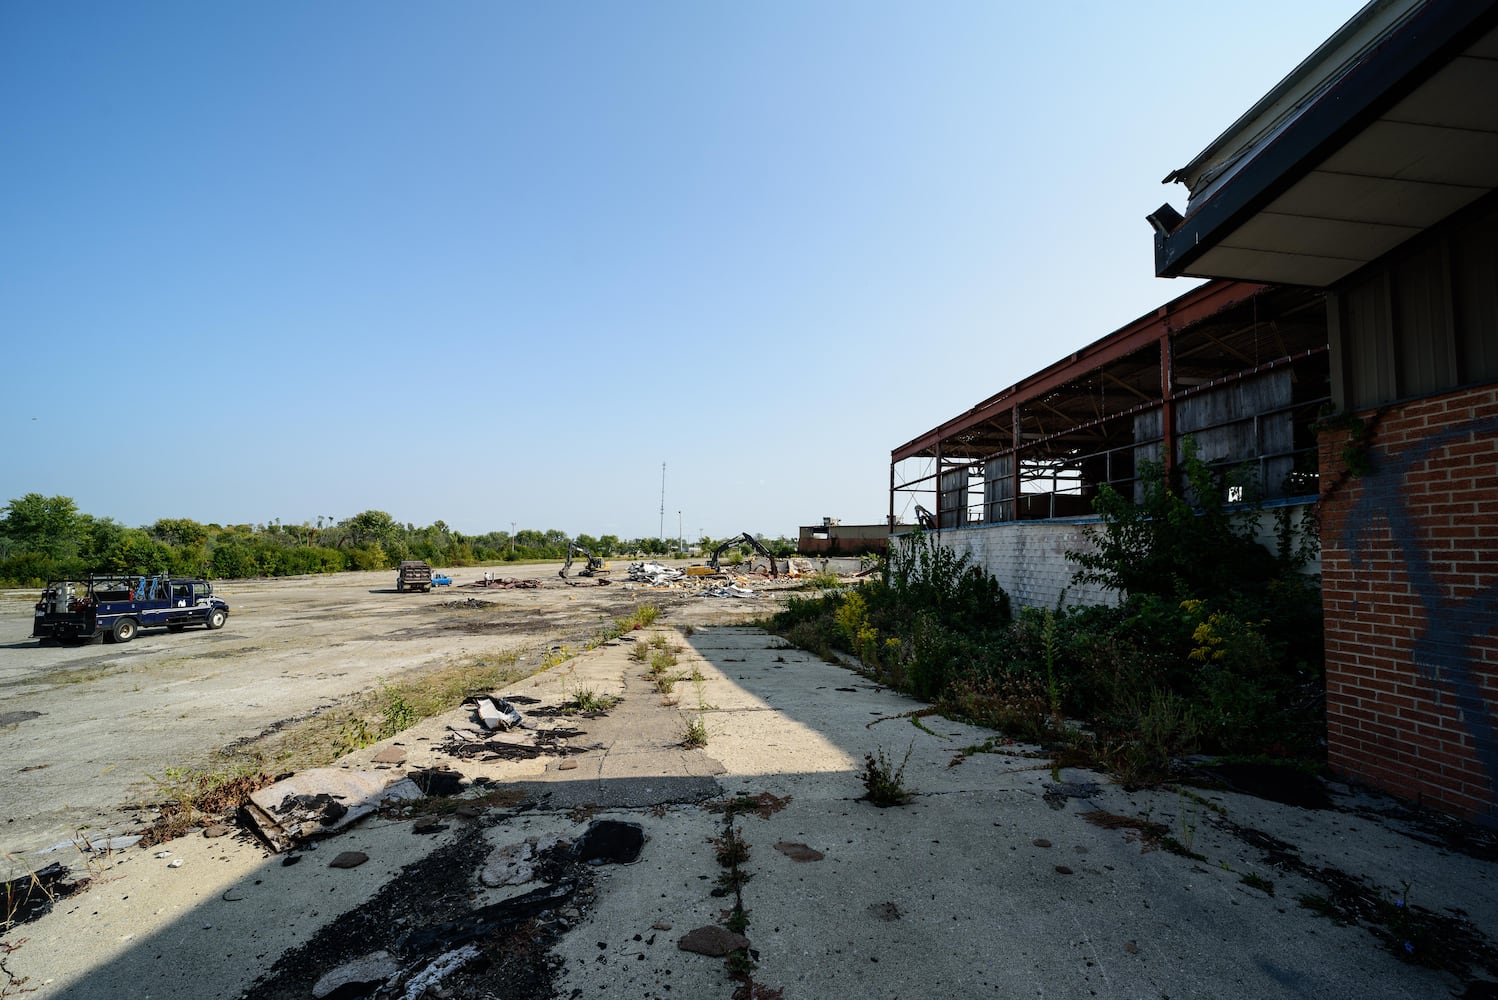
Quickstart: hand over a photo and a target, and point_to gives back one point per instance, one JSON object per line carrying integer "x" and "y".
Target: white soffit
{"x": 1431, "y": 154}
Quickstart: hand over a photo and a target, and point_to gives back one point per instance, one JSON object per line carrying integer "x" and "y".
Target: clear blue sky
{"x": 495, "y": 262}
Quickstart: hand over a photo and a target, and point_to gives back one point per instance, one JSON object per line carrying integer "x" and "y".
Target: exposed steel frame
{"x": 1152, "y": 332}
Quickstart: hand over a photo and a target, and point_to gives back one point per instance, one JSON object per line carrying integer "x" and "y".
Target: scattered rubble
{"x": 728, "y": 590}
{"x": 654, "y": 573}
{"x": 492, "y": 584}
{"x": 468, "y": 603}
{"x": 320, "y": 801}
{"x": 525, "y": 745}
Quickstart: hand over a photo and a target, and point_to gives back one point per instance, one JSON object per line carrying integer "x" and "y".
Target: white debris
{"x": 441, "y": 967}
{"x": 654, "y": 573}
{"x": 496, "y": 713}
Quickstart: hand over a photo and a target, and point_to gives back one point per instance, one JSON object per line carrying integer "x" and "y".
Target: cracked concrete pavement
{"x": 990, "y": 882}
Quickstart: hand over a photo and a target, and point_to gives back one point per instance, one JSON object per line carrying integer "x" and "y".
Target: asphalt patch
{"x": 425, "y": 912}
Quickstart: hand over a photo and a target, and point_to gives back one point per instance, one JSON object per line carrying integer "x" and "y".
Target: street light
{"x": 679, "y": 546}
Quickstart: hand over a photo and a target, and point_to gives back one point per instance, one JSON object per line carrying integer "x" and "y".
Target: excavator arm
{"x": 744, "y": 539}
{"x": 595, "y": 564}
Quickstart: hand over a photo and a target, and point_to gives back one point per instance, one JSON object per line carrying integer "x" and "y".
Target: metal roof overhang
{"x": 1195, "y": 306}
{"x": 1407, "y": 136}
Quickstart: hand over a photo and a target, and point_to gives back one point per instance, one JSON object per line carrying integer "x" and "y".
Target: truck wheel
{"x": 216, "y": 619}
{"x": 123, "y": 631}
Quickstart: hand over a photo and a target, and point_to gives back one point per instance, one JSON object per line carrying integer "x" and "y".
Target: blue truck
{"x": 117, "y": 607}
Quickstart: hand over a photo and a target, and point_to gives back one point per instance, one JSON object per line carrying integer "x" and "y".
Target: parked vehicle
{"x": 117, "y": 607}
{"x": 413, "y": 575}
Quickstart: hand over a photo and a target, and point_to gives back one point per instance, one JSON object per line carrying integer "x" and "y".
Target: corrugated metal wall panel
{"x": 1425, "y": 320}
{"x": 954, "y": 498}
{"x": 998, "y": 489}
{"x": 1474, "y": 282}
{"x": 1422, "y": 324}
{"x": 1368, "y": 325}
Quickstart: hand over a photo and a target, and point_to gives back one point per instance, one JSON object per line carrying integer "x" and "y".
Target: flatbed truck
{"x": 119, "y": 606}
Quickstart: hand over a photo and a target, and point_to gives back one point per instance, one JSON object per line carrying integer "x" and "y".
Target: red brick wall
{"x": 1410, "y": 589}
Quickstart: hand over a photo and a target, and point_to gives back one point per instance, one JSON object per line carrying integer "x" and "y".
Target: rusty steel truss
{"x": 1240, "y": 367}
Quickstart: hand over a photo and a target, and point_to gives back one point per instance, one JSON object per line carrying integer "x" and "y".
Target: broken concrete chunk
{"x": 712, "y": 940}
{"x": 319, "y": 801}
{"x": 348, "y": 859}
{"x": 392, "y": 755}
{"x": 515, "y": 864}
{"x": 371, "y": 970}
{"x": 217, "y": 830}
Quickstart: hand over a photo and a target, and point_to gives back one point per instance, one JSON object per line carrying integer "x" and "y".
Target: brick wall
{"x": 1410, "y": 590}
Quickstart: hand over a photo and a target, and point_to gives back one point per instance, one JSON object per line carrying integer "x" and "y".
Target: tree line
{"x": 47, "y": 538}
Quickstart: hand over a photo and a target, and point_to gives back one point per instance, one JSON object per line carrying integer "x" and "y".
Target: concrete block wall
{"x": 1410, "y": 591}
{"x": 1028, "y": 558}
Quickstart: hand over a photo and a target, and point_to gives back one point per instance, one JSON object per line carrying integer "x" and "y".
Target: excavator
{"x": 595, "y": 566}
{"x": 744, "y": 539}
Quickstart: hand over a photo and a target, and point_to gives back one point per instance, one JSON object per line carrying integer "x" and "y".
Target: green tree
{"x": 372, "y": 527}
{"x": 180, "y": 531}
{"x": 49, "y": 525}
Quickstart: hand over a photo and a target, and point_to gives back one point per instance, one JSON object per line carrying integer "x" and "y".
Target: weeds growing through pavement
{"x": 883, "y": 782}
{"x": 643, "y": 616}
{"x": 589, "y": 702}
{"x": 694, "y": 733}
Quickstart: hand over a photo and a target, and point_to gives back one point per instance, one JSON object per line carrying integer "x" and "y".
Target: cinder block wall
{"x": 1028, "y": 558}
{"x": 1410, "y": 590}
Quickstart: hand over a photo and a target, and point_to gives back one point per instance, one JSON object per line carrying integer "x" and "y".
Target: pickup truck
{"x": 117, "y": 607}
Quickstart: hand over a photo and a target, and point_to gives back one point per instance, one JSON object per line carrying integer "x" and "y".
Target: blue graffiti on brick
{"x": 1442, "y": 653}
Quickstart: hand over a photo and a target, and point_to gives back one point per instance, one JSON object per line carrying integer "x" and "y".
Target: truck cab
{"x": 119, "y": 606}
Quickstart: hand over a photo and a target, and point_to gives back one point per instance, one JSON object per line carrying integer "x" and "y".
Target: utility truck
{"x": 117, "y": 607}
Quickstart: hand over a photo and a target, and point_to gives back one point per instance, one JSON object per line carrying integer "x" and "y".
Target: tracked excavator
{"x": 594, "y": 567}
{"x": 744, "y": 539}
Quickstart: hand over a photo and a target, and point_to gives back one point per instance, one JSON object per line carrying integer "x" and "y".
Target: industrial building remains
{"x": 1349, "y": 223}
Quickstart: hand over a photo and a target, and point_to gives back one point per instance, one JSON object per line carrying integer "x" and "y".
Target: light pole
{"x": 679, "y": 546}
